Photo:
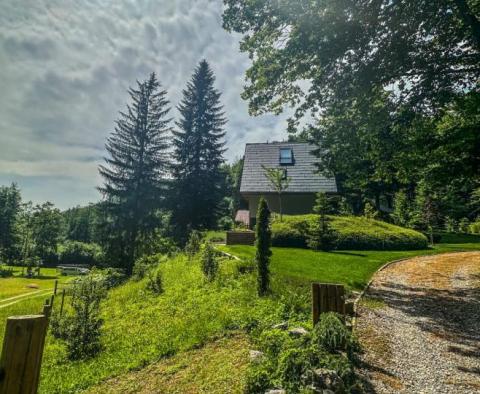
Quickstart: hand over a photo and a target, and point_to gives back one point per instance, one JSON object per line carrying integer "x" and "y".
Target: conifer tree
{"x": 135, "y": 171}
{"x": 262, "y": 244}
{"x": 198, "y": 154}
{"x": 321, "y": 236}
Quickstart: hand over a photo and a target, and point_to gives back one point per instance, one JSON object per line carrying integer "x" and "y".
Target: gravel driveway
{"x": 419, "y": 326}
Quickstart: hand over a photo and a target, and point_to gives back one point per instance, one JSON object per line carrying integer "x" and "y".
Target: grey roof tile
{"x": 304, "y": 178}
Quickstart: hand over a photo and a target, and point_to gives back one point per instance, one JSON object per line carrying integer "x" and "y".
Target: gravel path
{"x": 419, "y": 325}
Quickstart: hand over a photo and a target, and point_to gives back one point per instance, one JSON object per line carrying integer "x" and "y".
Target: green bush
{"x": 144, "y": 264}
{"x": 82, "y": 331}
{"x": 352, "y": 233}
{"x": 475, "y": 227}
{"x": 209, "y": 262}
{"x": 155, "y": 281}
{"x": 292, "y": 364}
{"x": 258, "y": 379}
{"x": 331, "y": 334}
{"x": 74, "y": 252}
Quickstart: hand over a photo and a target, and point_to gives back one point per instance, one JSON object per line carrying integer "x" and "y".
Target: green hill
{"x": 353, "y": 233}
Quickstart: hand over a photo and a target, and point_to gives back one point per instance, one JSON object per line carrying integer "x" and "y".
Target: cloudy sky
{"x": 65, "y": 66}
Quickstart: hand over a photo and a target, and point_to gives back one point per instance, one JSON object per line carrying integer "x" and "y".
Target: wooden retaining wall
{"x": 240, "y": 238}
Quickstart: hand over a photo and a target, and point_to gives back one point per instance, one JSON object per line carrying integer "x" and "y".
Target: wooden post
{"x": 315, "y": 302}
{"x": 55, "y": 288}
{"x": 63, "y": 300}
{"x": 327, "y": 297}
{"x": 22, "y": 354}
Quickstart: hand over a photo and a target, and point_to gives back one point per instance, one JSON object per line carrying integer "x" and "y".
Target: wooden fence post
{"x": 61, "y": 304}
{"x": 55, "y": 288}
{"x": 22, "y": 354}
{"x": 327, "y": 297}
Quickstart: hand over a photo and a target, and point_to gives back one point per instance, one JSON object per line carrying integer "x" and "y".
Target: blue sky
{"x": 65, "y": 67}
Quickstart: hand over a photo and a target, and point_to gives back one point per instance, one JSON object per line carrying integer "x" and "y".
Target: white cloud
{"x": 66, "y": 66}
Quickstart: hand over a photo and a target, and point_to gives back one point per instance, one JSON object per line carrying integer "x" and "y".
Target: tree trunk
{"x": 280, "y": 205}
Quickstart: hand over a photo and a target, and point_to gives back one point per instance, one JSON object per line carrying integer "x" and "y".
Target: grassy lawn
{"x": 352, "y": 268}
{"x": 18, "y": 285}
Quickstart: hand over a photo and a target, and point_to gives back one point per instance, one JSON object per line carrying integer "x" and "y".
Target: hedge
{"x": 353, "y": 233}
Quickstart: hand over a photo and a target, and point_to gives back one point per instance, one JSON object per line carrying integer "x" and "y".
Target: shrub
{"x": 193, "y": 244}
{"x": 320, "y": 234}
{"x": 5, "y": 272}
{"x": 475, "y": 227}
{"x": 82, "y": 335}
{"x": 74, "y": 252}
{"x": 144, "y": 264}
{"x": 451, "y": 225}
{"x": 331, "y": 334}
{"x": 155, "y": 281}
{"x": 291, "y": 366}
{"x": 258, "y": 379}
{"x": 463, "y": 225}
{"x": 352, "y": 232}
{"x": 209, "y": 262}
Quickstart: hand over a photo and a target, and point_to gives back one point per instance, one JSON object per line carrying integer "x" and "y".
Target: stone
{"x": 256, "y": 356}
{"x": 298, "y": 332}
{"x": 322, "y": 380}
{"x": 281, "y": 326}
{"x": 276, "y": 391}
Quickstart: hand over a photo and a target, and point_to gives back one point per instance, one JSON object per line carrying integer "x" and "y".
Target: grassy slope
{"x": 141, "y": 328}
{"x": 218, "y": 367}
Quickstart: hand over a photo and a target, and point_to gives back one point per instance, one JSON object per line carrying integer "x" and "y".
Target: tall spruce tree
{"x": 198, "y": 154}
{"x": 135, "y": 171}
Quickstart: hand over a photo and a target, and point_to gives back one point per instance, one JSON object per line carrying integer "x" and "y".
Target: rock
{"x": 297, "y": 332}
{"x": 324, "y": 380}
{"x": 256, "y": 356}
{"x": 349, "y": 307}
{"x": 281, "y": 326}
{"x": 276, "y": 391}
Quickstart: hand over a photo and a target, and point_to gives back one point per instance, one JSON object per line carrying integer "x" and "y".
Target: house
{"x": 297, "y": 161}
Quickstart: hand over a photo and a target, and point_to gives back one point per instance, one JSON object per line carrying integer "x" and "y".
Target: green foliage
{"x": 463, "y": 225}
{"x": 194, "y": 242}
{"x": 451, "y": 225}
{"x": 351, "y": 232}
{"x": 324, "y": 40}
{"x": 288, "y": 361}
{"x": 209, "y": 262}
{"x": 320, "y": 235}
{"x": 331, "y": 334}
{"x": 262, "y": 244}
{"x": 402, "y": 209}
{"x": 82, "y": 333}
{"x": 279, "y": 181}
{"x": 81, "y": 223}
{"x": 369, "y": 211}
{"x": 475, "y": 226}
{"x": 134, "y": 173}
{"x": 155, "y": 281}
{"x": 198, "y": 154}
{"x": 10, "y": 205}
{"x": 46, "y": 231}
{"x": 75, "y": 252}
{"x": 144, "y": 265}
{"x": 258, "y": 380}
{"x": 292, "y": 364}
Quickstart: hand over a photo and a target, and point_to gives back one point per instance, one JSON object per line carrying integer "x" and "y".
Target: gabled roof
{"x": 304, "y": 178}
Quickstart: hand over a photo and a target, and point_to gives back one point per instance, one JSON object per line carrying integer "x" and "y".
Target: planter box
{"x": 240, "y": 238}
